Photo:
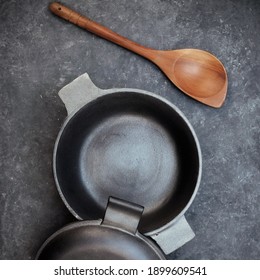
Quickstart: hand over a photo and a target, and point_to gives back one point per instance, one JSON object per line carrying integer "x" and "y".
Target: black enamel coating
{"x": 132, "y": 146}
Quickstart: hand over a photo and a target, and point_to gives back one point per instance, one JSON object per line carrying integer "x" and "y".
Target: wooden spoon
{"x": 197, "y": 73}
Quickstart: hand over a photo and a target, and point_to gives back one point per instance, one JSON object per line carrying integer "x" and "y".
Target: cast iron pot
{"x": 114, "y": 238}
{"x": 133, "y": 145}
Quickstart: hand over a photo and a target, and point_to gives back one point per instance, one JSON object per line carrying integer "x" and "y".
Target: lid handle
{"x": 123, "y": 214}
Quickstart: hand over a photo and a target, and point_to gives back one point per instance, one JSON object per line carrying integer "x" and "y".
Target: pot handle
{"x": 123, "y": 214}
{"x": 172, "y": 238}
{"x": 79, "y": 92}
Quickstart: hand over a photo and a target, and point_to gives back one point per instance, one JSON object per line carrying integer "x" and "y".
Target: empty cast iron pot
{"x": 113, "y": 238}
{"x": 130, "y": 144}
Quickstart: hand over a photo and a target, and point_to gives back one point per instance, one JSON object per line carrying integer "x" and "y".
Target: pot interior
{"x": 132, "y": 146}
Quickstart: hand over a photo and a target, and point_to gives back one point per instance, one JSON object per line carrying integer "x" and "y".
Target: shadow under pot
{"x": 130, "y": 144}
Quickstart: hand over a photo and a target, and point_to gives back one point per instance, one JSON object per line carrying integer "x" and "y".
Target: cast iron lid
{"x": 113, "y": 238}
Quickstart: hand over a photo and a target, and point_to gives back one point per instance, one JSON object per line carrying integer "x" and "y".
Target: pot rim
{"x": 153, "y": 95}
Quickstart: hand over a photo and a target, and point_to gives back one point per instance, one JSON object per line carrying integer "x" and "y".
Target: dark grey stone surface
{"x": 40, "y": 53}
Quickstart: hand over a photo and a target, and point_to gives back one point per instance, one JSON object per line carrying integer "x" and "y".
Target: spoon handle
{"x": 94, "y": 27}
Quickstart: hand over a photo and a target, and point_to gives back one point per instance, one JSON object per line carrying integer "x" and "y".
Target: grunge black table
{"x": 40, "y": 53}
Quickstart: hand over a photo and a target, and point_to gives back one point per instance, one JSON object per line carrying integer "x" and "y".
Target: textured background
{"x": 40, "y": 53}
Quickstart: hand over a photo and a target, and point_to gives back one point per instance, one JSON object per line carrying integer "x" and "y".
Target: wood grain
{"x": 197, "y": 73}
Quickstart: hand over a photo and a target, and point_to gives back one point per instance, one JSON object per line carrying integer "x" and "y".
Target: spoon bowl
{"x": 197, "y": 73}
